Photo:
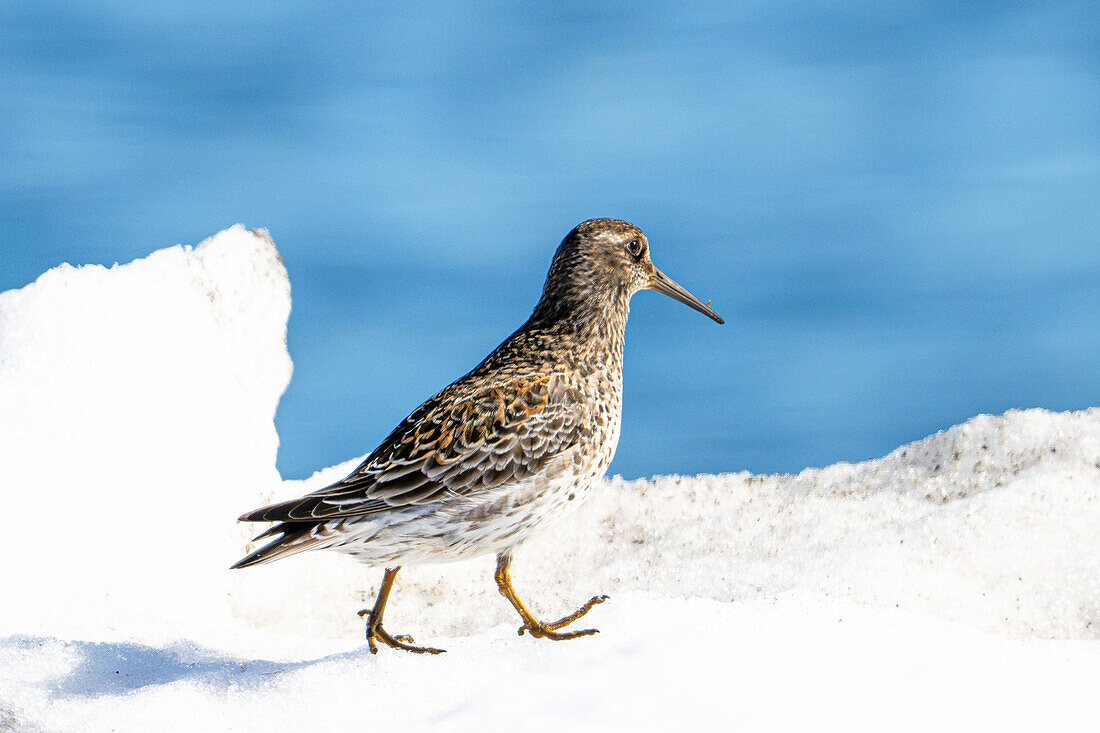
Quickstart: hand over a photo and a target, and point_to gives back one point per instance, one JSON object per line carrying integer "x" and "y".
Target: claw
{"x": 541, "y": 629}
{"x": 402, "y": 641}
{"x": 546, "y": 631}
{"x": 374, "y": 623}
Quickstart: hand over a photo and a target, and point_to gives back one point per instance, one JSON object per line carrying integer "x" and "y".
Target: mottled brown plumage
{"x": 509, "y": 445}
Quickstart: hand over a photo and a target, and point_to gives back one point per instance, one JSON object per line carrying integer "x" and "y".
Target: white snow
{"x": 136, "y": 413}
{"x": 953, "y": 583}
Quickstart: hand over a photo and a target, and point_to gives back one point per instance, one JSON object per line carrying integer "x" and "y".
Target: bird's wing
{"x": 456, "y": 443}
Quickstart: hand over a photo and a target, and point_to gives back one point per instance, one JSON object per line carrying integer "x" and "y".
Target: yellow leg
{"x": 374, "y": 622}
{"x": 540, "y": 629}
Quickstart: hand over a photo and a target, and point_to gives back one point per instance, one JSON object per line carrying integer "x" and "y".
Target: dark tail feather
{"x": 294, "y": 538}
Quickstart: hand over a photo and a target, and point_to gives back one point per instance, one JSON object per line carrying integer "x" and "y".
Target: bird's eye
{"x": 635, "y": 247}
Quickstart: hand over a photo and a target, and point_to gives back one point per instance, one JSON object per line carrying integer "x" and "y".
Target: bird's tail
{"x": 294, "y": 537}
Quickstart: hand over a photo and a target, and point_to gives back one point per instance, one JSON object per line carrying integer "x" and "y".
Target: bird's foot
{"x": 549, "y": 630}
{"x": 403, "y": 641}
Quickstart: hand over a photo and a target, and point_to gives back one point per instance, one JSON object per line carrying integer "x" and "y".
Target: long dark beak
{"x": 662, "y": 283}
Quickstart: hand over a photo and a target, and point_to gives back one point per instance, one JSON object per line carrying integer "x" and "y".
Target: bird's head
{"x": 602, "y": 263}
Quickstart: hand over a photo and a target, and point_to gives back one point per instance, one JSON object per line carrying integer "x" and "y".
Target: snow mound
{"x": 137, "y": 410}
{"x": 991, "y": 523}
{"x": 136, "y": 422}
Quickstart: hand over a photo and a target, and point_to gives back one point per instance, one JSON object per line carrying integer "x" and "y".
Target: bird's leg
{"x": 374, "y": 621}
{"x": 540, "y": 629}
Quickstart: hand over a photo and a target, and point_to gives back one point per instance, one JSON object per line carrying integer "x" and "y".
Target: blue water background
{"x": 895, "y": 205}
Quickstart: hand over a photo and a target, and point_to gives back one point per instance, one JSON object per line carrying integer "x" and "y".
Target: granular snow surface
{"x": 954, "y": 583}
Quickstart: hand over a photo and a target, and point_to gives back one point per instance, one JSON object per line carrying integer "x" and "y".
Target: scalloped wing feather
{"x": 454, "y": 444}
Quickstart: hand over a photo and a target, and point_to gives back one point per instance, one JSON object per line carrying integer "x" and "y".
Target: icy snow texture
{"x": 136, "y": 408}
{"x": 992, "y": 523}
{"x": 136, "y": 415}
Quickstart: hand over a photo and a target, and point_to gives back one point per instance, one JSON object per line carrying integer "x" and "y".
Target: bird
{"x": 515, "y": 443}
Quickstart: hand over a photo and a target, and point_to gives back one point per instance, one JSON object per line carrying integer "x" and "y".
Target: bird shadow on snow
{"x": 103, "y": 668}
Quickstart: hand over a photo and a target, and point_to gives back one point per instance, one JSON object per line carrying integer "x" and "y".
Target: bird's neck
{"x": 590, "y": 329}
